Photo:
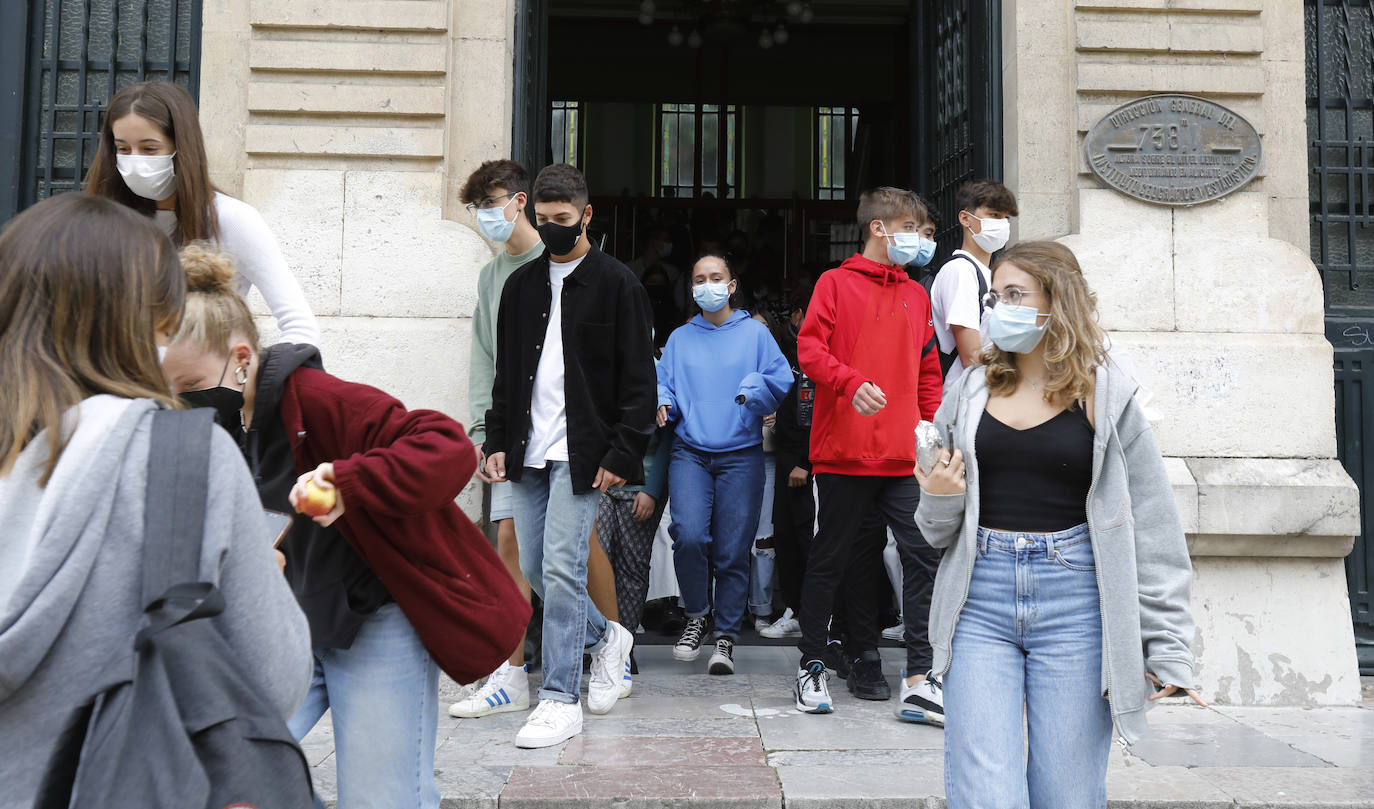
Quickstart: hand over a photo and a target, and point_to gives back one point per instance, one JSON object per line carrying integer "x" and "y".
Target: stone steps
{"x": 686, "y": 739}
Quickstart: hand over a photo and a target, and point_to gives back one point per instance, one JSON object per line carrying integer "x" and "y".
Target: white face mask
{"x": 151, "y": 176}
{"x": 993, "y": 233}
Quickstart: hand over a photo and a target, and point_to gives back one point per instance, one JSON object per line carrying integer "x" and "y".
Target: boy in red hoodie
{"x": 869, "y": 344}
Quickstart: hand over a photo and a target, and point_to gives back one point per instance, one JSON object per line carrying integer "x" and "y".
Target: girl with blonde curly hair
{"x": 1061, "y": 605}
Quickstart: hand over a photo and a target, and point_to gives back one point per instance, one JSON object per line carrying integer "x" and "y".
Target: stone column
{"x": 351, "y": 125}
{"x": 1219, "y": 307}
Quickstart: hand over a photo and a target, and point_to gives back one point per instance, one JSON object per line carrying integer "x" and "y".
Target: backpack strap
{"x": 174, "y": 506}
{"x": 982, "y": 280}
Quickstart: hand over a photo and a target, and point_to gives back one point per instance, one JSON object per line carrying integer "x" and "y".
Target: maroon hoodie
{"x": 398, "y": 473}
{"x": 869, "y": 322}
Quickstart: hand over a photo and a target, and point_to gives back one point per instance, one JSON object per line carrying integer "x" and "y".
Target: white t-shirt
{"x": 548, "y": 439}
{"x": 954, "y": 302}
{"x": 245, "y": 236}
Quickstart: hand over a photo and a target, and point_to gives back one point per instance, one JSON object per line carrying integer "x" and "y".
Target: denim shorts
{"x": 501, "y": 506}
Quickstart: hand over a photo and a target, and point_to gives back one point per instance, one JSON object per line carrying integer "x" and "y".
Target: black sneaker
{"x": 688, "y": 646}
{"x": 866, "y": 679}
{"x": 723, "y": 660}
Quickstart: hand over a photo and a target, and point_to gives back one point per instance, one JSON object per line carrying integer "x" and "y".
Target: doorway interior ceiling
{"x": 824, "y": 12}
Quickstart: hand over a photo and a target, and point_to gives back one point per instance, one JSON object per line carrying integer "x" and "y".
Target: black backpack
{"x": 186, "y": 730}
{"x": 928, "y": 281}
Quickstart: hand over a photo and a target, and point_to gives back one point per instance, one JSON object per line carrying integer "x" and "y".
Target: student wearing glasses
{"x": 1061, "y": 607}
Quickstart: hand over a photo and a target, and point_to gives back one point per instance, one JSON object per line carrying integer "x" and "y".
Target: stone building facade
{"x": 352, "y": 124}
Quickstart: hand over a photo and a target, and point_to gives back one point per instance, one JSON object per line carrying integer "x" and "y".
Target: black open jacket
{"x": 610, "y": 387}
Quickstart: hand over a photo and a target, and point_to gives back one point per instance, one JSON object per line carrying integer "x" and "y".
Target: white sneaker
{"x": 922, "y": 702}
{"x": 610, "y": 678}
{"x": 897, "y": 633}
{"x": 507, "y": 689}
{"x": 811, "y": 692}
{"x": 688, "y": 645}
{"x": 785, "y": 627}
{"x": 761, "y": 623}
{"x": 551, "y": 722}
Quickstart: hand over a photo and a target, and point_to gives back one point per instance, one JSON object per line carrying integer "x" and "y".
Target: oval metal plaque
{"x": 1173, "y": 150}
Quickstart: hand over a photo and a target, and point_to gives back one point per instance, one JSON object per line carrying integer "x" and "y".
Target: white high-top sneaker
{"x": 610, "y": 676}
{"x": 507, "y": 689}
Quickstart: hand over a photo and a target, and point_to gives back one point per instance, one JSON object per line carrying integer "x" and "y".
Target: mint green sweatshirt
{"x": 482, "y": 365}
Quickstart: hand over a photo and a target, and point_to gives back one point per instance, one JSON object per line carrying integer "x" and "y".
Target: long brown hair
{"x": 1074, "y": 342}
{"x": 171, "y": 109}
{"x": 84, "y": 285}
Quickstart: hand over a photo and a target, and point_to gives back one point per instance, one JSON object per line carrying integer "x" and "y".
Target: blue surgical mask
{"x": 1013, "y": 328}
{"x": 909, "y": 248}
{"x": 493, "y": 223}
{"x": 925, "y": 252}
{"x": 711, "y": 297}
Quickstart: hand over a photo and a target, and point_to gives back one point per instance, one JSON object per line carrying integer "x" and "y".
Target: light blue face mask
{"x": 493, "y": 223}
{"x": 925, "y": 252}
{"x": 909, "y": 248}
{"x": 1013, "y": 328}
{"x": 711, "y": 297}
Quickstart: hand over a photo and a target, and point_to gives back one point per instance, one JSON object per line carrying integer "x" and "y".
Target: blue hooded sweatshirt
{"x": 720, "y": 381}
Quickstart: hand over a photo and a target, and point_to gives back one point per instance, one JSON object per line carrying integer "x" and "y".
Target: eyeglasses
{"x": 489, "y": 202}
{"x": 1011, "y": 296}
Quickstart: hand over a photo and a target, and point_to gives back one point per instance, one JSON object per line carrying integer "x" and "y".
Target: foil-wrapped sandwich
{"x": 928, "y": 445}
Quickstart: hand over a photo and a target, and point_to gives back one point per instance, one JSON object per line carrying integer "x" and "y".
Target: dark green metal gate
{"x": 957, "y": 50}
{"x": 1340, "y": 126}
{"x": 62, "y": 61}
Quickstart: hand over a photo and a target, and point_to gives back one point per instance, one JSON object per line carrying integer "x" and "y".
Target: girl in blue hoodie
{"x": 720, "y": 375}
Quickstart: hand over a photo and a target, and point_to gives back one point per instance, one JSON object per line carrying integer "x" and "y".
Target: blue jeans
{"x": 554, "y": 527}
{"x": 383, "y": 695}
{"x": 1029, "y": 638}
{"x": 716, "y": 500}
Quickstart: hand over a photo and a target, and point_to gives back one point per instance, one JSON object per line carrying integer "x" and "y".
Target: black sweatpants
{"x": 843, "y": 554}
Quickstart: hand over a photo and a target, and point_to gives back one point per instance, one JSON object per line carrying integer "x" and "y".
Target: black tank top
{"x": 1037, "y": 479}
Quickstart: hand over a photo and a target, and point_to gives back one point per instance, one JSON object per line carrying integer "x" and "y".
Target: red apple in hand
{"x": 317, "y": 501}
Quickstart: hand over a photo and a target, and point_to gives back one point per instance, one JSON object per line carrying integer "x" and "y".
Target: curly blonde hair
{"x": 1074, "y": 342}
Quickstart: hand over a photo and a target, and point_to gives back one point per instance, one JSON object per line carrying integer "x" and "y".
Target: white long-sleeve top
{"x": 245, "y": 236}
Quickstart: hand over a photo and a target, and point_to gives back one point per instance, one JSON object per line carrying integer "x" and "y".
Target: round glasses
{"x": 489, "y": 202}
{"x": 1011, "y": 296}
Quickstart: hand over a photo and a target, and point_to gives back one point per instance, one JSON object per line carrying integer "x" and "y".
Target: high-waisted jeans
{"x": 716, "y": 500}
{"x": 1028, "y": 649}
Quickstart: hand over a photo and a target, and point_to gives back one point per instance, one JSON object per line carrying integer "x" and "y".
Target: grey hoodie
{"x": 70, "y": 581}
{"x": 1143, "y": 569}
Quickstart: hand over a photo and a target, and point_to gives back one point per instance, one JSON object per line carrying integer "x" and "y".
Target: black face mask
{"x": 226, "y": 402}
{"x": 560, "y": 239}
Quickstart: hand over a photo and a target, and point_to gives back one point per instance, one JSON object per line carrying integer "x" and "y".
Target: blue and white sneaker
{"x": 923, "y": 702}
{"x": 507, "y": 689}
{"x": 812, "y": 692}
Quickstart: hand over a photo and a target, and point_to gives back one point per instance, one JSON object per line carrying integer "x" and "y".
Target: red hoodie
{"x": 398, "y": 472}
{"x": 869, "y": 322}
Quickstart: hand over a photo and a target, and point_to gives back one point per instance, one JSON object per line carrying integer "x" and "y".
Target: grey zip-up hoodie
{"x": 1143, "y": 569}
{"x": 71, "y": 558}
